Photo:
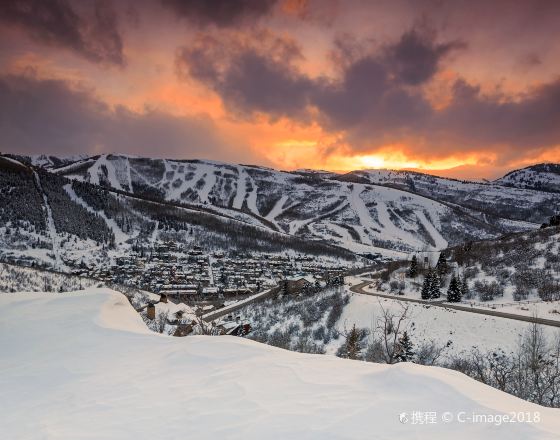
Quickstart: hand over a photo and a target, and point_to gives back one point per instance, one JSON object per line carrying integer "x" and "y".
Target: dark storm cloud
{"x": 261, "y": 80}
{"x": 257, "y": 83}
{"x": 222, "y": 13}
{"x": 532, "y": 121}
{"x": 416, "y": 57}
{"x": 472, "y": 120}
{"x": 367, "y": 97}
{"x": 92, "y": 34}
{"x": 378, "y": 97}
{"x": 49, "y": 116}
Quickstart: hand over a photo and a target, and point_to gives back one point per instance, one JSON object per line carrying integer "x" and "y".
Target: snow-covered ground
{"x": 543, "y": 176}
{"x": 83, "y": 365}
{"x": 518, "y": 267}
{"x": 464, "y": 329}
{"x": 17, "y": 279}
{"x": 506, "y": 304}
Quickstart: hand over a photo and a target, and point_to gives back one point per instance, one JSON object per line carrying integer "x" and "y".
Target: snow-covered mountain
{"x": 357, "y": 215}
{"x": 84, "y": 365}
{"x": 543, "y": 177}
{"x": 124, "y": 200}
{"x": 492, "y": 198}
{"x": 62, "y": 223}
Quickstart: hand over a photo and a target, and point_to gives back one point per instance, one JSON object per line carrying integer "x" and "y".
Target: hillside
{"x": 362, "y": 215}
{"x": 49, "y": 219}
{"x": 543, "y": 177}
{"x": 483, "y": 200}
{"x": 517, "y": 273}
{"x": 87, "y": 367}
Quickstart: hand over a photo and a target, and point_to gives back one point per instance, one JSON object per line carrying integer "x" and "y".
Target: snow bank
{"x": 83, "y": 365}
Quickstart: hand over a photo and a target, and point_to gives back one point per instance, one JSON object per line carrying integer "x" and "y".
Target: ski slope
{"x": 241, "y": 188}
{"x": 399, "y": 211}
{"x": 440, "y": 242}
{"x": 120, "y": 236}
{"x": 84, "y": 366}
{"x": 55, "y": 239}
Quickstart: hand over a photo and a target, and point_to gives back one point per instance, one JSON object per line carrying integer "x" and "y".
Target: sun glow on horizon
{"x": 378, "y": 161}
{"x": 314, "y": 150}
{"x": 395, "y": 160}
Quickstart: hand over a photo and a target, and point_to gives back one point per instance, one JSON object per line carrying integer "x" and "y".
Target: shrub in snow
{"x": 488, "y": 291}
{"x": 502, "y": 274}
{"x": 281, "y": 339}
{"x": 471, "y": 272}
{"x": 520, "y": 295}
{"x": 429, "y": 352}
{"x": 527, "y": 279}
{"x": 319, "y": 333}
{"x": 549, "y": 290}
{"x": 531, "y": 371}
{"x": 305, "y": 344}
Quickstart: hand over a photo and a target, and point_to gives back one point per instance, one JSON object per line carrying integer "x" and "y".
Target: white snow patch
{"x": 83, "y": 365}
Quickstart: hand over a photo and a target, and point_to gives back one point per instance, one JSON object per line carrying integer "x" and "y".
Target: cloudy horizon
{"x": 456, "y": 88}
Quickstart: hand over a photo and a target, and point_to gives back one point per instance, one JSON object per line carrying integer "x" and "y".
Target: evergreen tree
{"x": 464, "y": 287}
{"x": 426, "y": 286}
{"x": 413, "y": 269}
{"x": 406, "y": 352}
{"x": 431, "y": 286}
{"x": 454, "y": 290}
{"x": 435, "y": 284}
{"x": 353, "y": 344}
{"x": 441, "y": 266}
{"x": 284, "y": 288}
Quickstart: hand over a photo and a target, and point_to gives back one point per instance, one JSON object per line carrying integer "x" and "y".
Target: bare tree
{"x": 501, "y": 370}
{"x": 553, "y": 375}
{"x": 390, "y": 326}
{"x": 161, "y": 321}
{"x": 202, "y": 327}
{"x": 429, "y": 352}
{"x": 534, "y": 358}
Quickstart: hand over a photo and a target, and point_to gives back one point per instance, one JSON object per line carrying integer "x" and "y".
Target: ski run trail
{"x": 55, "y": 239}
{"x": 120, "y": 236}
{"x": 241, "y": 188}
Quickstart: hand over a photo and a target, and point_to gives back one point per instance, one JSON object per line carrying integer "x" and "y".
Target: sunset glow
{"x": 289, "y": 84}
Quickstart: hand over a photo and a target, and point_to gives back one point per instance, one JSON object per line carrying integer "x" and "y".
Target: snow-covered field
{"x": 16, "y": 279}
{"x": 464, "y": 329}
{"x": 83, "y": 365}
{"x": 505, "y": 304}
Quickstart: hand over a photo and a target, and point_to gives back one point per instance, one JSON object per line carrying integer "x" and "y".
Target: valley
{"x": 299, "y": 260}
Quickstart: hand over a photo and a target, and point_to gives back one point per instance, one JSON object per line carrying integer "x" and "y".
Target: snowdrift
{"x": 84, "y": 366}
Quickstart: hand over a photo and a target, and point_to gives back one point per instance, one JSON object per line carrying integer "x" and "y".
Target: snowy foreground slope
{"x": 83, "y": 365}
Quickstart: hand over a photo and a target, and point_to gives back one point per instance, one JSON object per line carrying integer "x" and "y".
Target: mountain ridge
{"x": 365, "y": 212}
{"x": 54, "y": 162}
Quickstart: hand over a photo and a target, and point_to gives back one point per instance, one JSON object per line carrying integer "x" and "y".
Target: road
{"x": 240, "y": 304}
{"x": 359, "y": 288}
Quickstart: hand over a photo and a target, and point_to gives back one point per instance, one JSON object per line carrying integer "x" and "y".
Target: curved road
{"x": 359, "y": 288}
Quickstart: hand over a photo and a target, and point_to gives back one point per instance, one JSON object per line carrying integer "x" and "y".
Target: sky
{"x": 468, "y": 89}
